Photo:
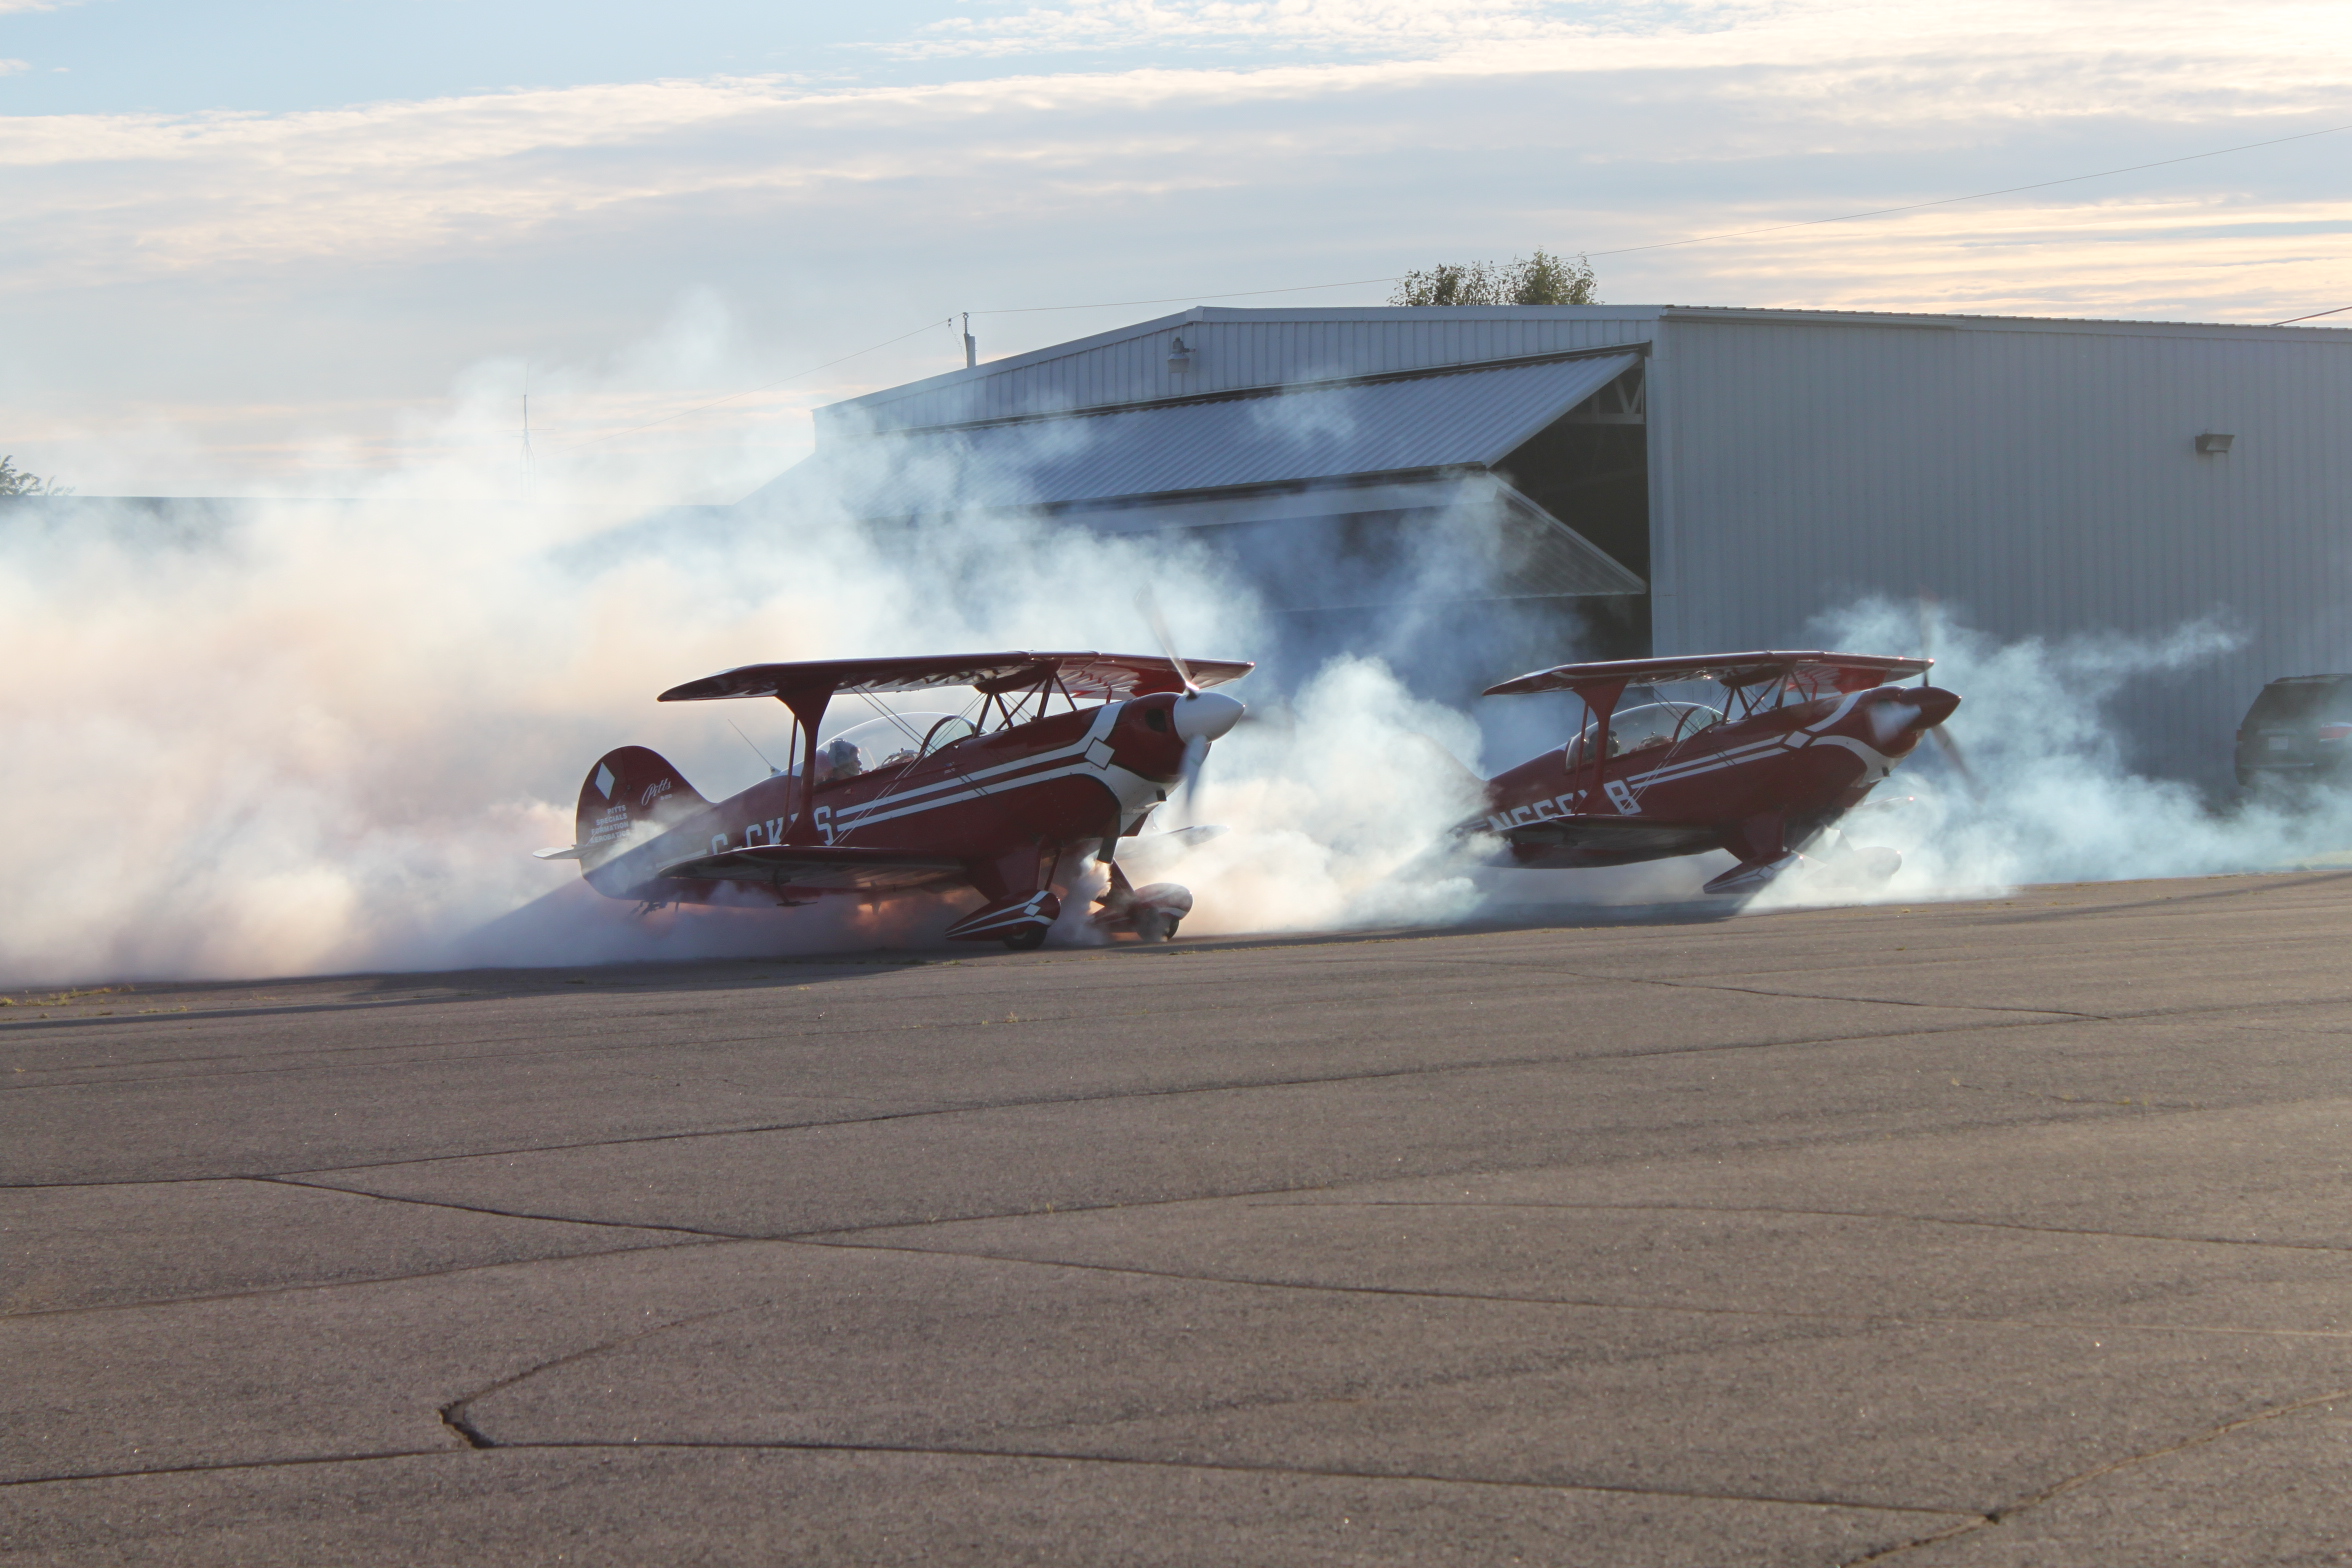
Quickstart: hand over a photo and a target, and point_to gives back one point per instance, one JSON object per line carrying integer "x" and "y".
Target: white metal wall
{"x": 2038, "y": 477}
{"x": 1231, "y": 350}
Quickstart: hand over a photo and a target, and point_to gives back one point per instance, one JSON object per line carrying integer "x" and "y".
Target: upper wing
{"x": 1844, "y": 671}
{"x": 1099, "y": 677}
{"x": 823, "y": 867}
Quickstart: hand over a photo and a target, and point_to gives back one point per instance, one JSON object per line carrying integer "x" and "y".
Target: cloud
{"x": 184, "y": 265}
{"x": 1336, "y": 24}
{"x": 132, "y": 195}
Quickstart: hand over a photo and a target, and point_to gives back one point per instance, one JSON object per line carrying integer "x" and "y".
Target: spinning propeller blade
{"x": 1931, "y": 615}
{"x": 1200, "y": 716}
{"x": 1196, "y": 752}
{"x": 1952, "y": 754}
{"x": 1159, "y": 625}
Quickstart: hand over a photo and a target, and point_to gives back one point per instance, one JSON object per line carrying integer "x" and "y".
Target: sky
{"x": 327, "y": 247}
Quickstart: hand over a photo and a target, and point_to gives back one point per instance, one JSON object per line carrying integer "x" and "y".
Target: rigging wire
{"x": 1946, "y": 201}
{"x": 1729, "y": 234}
{"x": 1623, "y": 250}
{"x": 764, "y": 386}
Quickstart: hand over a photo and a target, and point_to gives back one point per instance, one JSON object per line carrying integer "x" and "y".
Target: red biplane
{"x": 920, "y": 801}
{"x": 1802, "y": 737}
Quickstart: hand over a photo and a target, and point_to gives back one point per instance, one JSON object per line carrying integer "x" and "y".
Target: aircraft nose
{"x": 1934, "y": 704}
{"x": 1206, "y": 715}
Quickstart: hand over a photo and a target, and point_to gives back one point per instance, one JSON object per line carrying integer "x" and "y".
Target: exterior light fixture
{"x": 1179, "y": 355}
{"x": 2212, "y": 445}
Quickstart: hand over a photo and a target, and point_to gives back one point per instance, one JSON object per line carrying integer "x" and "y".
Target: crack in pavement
{"x": 2009, "y": 1511}
{"x": 928, "y": 1451}
{"x": 509, "y": 1214}
{"x": 842, "y": 1237}
{"x": 1760, "y": 1208}
{"x": 1789, "y": 996}
{"x": 453, "y": 1414}
{"x": 292, "y": 1287}
{"x": 1232, "y": 1086}
{"x": 1237, "y": 1467}
{"x": 1082, "y": 1014}
{"x": 1896, "y": 1320}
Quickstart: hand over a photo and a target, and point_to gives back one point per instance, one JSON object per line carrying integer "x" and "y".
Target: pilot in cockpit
{"x": 840, "y": 759}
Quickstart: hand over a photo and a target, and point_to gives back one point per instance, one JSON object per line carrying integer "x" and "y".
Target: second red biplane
{"x": 1801, "y": 739}
{"x": 909, "y": 802}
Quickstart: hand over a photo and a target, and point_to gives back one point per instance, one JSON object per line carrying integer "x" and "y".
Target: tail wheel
{"x": 1027, "y": 940}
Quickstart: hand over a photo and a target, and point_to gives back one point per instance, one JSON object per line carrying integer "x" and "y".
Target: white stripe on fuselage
{"x": 1134, "y": 793}
{"x": 1876, "y": 765}
{"x": 970, "y": 782}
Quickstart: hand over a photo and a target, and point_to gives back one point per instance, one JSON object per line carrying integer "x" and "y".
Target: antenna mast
{"x": 528, "y": 475}
{"x": 971, "y": 345}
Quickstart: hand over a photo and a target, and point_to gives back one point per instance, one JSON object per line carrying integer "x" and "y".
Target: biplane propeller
{"x": 911, "y": 802}
{"x": 1800, "y": 740}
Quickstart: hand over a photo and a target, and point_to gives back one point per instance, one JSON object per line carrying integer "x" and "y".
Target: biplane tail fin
{"x": 630, "y": 794}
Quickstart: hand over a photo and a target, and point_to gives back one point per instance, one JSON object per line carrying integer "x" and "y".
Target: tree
{"x": 1541, "y": 279}
{"x": 15, "y": 481}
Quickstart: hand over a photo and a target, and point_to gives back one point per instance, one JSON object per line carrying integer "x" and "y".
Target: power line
{"x": 1177, "y": 299}
{"x": 611, "y": 435}
{"x": 1946, "y": 201}
{"x": 1732, "y": 234}
{"x": 1625, "y": 250}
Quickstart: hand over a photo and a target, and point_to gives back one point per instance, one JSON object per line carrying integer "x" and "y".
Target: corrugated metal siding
{"x": 1234, "y": 350}
{"x": 1462, "y": 419}
{"x": 2038, "y": 482}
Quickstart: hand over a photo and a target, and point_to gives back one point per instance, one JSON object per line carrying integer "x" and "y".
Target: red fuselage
{"x": 1755, "y": 786}
{"x": 1001, "y": 805}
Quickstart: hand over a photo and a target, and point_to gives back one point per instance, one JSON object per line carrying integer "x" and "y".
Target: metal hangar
{"x": 1668, "y": 479}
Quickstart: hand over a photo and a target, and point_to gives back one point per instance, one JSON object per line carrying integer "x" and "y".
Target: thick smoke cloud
{"x": 272, "y": 737}
{"x": 2050, "y": 793}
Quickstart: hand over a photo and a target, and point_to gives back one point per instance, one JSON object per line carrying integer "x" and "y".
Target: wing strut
{"x": 1601, "y": 697}
{"x": 808, "y": 705}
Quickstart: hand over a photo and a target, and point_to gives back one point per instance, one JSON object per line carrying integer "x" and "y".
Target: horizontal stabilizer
{"x": 1015, "y": 916}
{"x": 1751, "y": 876}
{"x": 568, "y": 852}
{"x": 821, "y": 868}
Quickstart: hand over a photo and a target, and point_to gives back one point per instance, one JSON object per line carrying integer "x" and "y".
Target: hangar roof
{"x": 1226, "y": 349}
{"x": 1371, "y": 426}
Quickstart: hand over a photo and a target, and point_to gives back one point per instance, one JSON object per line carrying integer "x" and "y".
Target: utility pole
{"x": 971, "y": 346}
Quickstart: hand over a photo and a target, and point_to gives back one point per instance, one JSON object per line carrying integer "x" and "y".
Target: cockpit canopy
{"x": 888, "y": 742}
{"x": 1649, "y": 727}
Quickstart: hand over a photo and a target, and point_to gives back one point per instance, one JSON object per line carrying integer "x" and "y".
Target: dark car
{"x": 2299, "y": 731}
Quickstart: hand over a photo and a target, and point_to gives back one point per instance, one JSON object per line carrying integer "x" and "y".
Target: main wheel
{"x": 1151, "y": 925}
{"x": 1027, "y": 940}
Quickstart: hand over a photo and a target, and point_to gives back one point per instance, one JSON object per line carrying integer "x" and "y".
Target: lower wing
{"x": 821, "y": 868}
{"x": 1615, "y": 836}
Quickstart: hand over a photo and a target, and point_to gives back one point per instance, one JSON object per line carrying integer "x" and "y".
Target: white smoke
{"x": 287, "y": 736}
{"x": 1334, "y": 809}
{"x": 2049, "y": 793}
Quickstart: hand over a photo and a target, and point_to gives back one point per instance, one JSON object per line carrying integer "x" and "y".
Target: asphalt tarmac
{"x": 2014, "y": 1232}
